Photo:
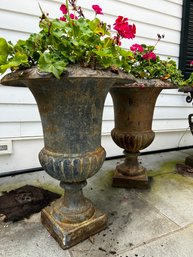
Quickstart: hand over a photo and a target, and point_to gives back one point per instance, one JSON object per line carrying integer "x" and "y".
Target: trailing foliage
{"x": 65, "y": 41}
{"x": 146, "y": 64}
{"x": 73, "y": 39}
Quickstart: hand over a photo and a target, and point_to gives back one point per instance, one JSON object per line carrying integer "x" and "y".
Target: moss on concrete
{"x": 167, "y": 174}
{"x": 165, "y": 168}
{"x": 47, "y": 186}
{"x": 53, "y": 188}
{"x": 11, "y": 186}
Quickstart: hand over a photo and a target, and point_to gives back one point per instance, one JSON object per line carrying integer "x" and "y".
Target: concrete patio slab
{"x": 142, "y": 223}
{"x": 28, "y": 239}
{"x": 170, "y": 192}
{"x": 177, "y": 244}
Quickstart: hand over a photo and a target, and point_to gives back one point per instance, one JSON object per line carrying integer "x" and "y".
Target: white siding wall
{"x": 19, "y": 117}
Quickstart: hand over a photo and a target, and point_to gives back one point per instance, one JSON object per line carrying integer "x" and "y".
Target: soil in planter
{"x": 24, "y": 201}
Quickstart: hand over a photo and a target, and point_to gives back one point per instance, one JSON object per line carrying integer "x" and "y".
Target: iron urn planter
{"x": 71, "y": 111}
{"x": 133, "y": 110}
{"x": 189, "y": 98}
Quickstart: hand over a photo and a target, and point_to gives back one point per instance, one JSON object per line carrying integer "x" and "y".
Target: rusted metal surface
{"x": 133, "y": 109}
{"x": 71, "y": 111}
{"x": 67, "y": 234}
{"x": 189, "y": 161}
{"x": 189, "y": 98}
{"x": 139, "y": 181}
{"x": 73, "y": 218}
{"x": 189, "y": 90}
{"x": 73, "y": 169}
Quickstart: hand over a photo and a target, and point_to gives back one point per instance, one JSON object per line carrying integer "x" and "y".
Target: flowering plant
{"x": 188, "y": 83}
{"x": 74, "y": 39}
{"x": 146, "y": 64}
{"x": 70, "y": 39}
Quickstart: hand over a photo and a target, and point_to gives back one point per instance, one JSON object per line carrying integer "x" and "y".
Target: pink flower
{"x": 62, "y": 18}
{"x": 191, "y": 63}
{"x": 64, "y": 9}
{"x": 73, "y": 17}
{"x": 123, "y": 28}
{"x": 97, "y": 9}
{"x": 149, "y": 56}
{"x": 137, "y": 47}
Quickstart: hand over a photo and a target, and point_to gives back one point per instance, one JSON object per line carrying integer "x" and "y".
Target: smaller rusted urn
{"x": 71, "y": 111}
{"x": 189, "y": 98}
{"x": 133, "y": 110}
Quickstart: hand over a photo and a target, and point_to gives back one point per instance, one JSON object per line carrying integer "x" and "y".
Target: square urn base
{"x": 138, "y": 182}
{"x": 189, "y": 160}
{"x": 68, "y": 235}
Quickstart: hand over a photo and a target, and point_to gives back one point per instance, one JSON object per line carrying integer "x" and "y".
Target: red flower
{"x": 149, "y": 56}
{"x": 62, "y": 18}
{"x": 137, "y": 47}
{"x": 120, "y": 22}
{"x": 73, "y": 17}
{"x": 97, "y": 9}
{"x": 191, "y": 63}
{"x": 64, "y": 9}
{"x": 130, "y": 33}
{"x": 123, "y": 28}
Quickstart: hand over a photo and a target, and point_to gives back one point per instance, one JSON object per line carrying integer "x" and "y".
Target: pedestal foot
{"x": 139, "y": 182}
{"x": 68, "y": 234}
{"x": 130, "y": 174}
{"x": 189, "y": 160}
{"x": 72, "y": 218}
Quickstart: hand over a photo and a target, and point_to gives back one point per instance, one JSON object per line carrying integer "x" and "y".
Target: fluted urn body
{"x": 133, "y": 110}
{"x": 71, "y": 111}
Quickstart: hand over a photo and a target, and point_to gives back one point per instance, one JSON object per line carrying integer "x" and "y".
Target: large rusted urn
{"x": 133, "y": 110}
{"x": 71, "y": 111}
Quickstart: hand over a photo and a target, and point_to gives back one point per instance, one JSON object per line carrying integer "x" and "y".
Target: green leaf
{"x": 48, "y": 64}
{"x": 105, "y": 52}
{"x": 4, "y": 51}
{"x": 125, "y": 53}
{"x": 96, "y": 27}
{"x": 15, "y": 62}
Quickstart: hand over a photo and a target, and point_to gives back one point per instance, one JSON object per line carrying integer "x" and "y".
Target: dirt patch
{"x": 184, "y": 170}
{"x": 24, "y": 201}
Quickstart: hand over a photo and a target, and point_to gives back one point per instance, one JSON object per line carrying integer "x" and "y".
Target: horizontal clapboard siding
{"x": 22, "y": 114}
{"x": 19, "y": 117}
